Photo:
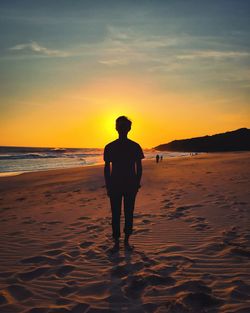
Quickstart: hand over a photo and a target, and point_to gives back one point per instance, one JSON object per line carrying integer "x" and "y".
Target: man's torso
{"x": 123, "y": 154}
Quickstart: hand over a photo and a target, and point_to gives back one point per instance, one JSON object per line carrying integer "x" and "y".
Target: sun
{"x": 107, "y": 120}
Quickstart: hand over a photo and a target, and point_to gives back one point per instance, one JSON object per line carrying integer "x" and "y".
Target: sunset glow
{"x": 65, "y": 81}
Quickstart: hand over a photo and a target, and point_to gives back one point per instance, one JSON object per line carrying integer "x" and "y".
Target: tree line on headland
{"x": 237, "y": 140}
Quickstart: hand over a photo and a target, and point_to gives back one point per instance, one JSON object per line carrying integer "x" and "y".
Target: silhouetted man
{"x": 122, "y": 178}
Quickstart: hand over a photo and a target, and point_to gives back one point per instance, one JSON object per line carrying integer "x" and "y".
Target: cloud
{"x": 33, "y": 46}
{"x": 124, "y": 46}
{"x": 207, "y": 54}
{"x": 114, "y": 62}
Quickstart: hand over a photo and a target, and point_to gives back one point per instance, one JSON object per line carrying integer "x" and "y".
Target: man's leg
{"x": 129, "y": 205}
{"x": 116, "y": 203}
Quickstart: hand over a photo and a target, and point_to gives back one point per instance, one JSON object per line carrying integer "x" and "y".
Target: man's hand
{"x": 107, "y": 177}
{"x": 138, "y": 173}
{"x": 108, "y": 192}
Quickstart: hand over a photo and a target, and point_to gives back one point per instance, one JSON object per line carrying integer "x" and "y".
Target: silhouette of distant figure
{"x": 122, "y": 178}
{"x": 157, "y": 158}
{"x": 161, "y": 158}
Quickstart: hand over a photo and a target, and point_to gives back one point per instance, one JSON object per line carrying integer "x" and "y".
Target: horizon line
{"x": 54, "y": 147}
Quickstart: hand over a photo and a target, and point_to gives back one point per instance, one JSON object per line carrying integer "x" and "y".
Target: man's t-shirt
{"x": 123, "y": 154}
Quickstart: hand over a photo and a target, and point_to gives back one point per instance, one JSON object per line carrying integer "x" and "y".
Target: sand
{"x": 191, "y": 240}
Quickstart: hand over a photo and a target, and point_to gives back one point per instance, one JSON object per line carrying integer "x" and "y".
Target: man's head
{"x": 123, "y": 125}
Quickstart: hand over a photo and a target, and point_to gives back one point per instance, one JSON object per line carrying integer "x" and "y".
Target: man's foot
{"x": 127, "y": 246}
{"x": 116, "y": 247}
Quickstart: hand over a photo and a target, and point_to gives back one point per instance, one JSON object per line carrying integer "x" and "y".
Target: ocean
{"x": 17, "y": 160}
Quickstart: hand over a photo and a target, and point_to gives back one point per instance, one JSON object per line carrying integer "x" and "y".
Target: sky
{"x": 68, "y": 68}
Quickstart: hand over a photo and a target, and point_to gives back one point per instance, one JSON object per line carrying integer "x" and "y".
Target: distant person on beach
{"x": 161, "y": 157}
{"x": 157, "y": 158}
{"x": 122, "y": 172}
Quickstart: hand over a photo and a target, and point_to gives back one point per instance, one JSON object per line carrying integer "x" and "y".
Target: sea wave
{"x": 46, "y": 156}
{"x": 26, "y": 159}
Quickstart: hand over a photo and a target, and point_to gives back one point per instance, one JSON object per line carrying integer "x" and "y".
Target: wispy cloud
{"x": 124, "y": 46}
{"x": 34, "y": 47}
{"x": 215, "y": 54}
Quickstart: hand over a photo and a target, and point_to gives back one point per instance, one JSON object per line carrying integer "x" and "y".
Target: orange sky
{"x": 85, "y": 116}
{"x": 66, "y": 73}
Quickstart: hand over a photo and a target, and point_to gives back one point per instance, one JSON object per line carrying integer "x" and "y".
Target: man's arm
{"x": 107, "y": 174}
{"x": 139, "y": 172}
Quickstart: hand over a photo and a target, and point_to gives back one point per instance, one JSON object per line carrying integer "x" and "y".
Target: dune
{"x": 191, "y": 240}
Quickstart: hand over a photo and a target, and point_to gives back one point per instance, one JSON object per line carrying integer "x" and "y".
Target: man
{"x": 122, "y": 171}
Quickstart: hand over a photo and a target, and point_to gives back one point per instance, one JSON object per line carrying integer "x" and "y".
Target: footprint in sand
{"x": 80, "y": 308}
{"x": 6, "y": 274}
{"x": 168, "y": 203}
{"x": 200, "y": 301}
{"x": 38, "y": 259}
{"x": 146, "y": 221}
{"x": 20, "y": 199}
{"x": 27, "y": 276}
{"x": 5, "y": 209}
{"x": 177, "y": 259}
{"x": 239, "y": 290}
{"x": 19, "y": 293}
{"x": 56, "y": 245}
{"x": 240, "y": 203}
{"x": 156, "y": 280}
{"x": 98, "y": 288}
{"x": 178, "y": 212}
{"x": 29, "y": 221}
{"x": 200, "y": 223}
{"x": 171, "y": 248}
{"x": 241, "y": 252}
{"x": 54, "y": 252}
{"x": 177, "y": 196}
{"x": 230, "y": 235}
{"x": 140, "y": 231}
{"x": 64, "y": 270}
{"x": 94, "y": 227}
{"x": 52, "y": 222}
{"x": 63, "y": 301}
{"x": 84, "y": 218}
{"x": 86, "y": 244}
{"x": 77, "y": 224}
{"x": 3, "y": 299}
{"x": 189, "y": 286}
{"x": 74, "y": 252}
{"x": 68, "y": 290}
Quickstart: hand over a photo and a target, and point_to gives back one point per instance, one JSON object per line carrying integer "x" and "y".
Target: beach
{"x": 191, "y": 240}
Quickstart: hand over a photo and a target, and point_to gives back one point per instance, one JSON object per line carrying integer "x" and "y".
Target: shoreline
{"x": 20, "y": 163}
{"x": 8, "y": 174}
{"x": 11, "y": 174}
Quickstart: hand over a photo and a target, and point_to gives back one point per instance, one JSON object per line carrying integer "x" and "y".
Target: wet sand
{"x": 191, "y": 240}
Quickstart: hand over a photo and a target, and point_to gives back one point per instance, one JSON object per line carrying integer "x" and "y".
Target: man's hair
{"x": 124, "y": 121}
